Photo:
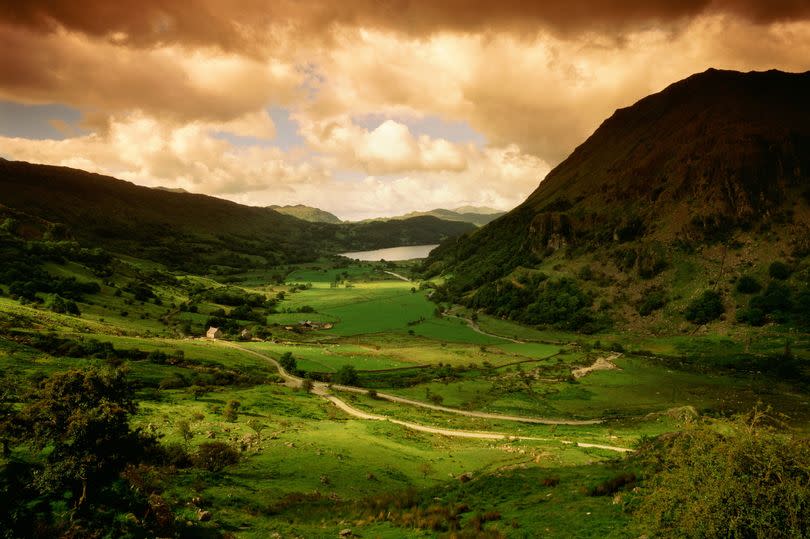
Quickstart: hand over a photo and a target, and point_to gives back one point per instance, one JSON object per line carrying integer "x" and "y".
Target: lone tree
{"x": 184, "y": 430}
{"x": 83, "y": 417}
{"x": 288, "y": 363}
{"x": 232, "y": 410}
{"x": 346, "y": 376}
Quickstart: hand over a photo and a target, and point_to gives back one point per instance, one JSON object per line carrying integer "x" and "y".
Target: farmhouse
{"x": 213, "y": 333}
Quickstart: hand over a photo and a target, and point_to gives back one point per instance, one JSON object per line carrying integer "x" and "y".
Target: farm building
{"x": 213, "y": 333}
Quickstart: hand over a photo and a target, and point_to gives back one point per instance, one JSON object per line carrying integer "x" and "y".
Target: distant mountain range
{"x": 308, "y": 213}
{"x": 477, "y": 215}
{"x": 185, "y": 230}
{"x": 686, "y": 191}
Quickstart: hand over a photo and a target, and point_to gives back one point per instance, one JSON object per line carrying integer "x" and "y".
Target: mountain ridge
{"x": 187, "y": 228}
{"x": 711, "y": 172}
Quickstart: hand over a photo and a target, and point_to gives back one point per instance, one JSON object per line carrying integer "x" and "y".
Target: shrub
{"x": 215, "y": 456}
{"x": 613, "y": 485}
{"x": 748, "y": 285}
{"x": 779, "y": 270}
{"x": 752, "y": 316}
{"x": 231, "y": 412}
{"x": 652, "y": 301}
{"x": 705, "y": 308}
{"x": 346, "y": 376}
{"x": 288, "y": 363}
{"x": 751, "y": 481}
{"x": 175, "y": 454}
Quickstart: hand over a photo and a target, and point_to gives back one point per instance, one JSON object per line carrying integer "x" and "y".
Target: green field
{"x": 313, "y": 469}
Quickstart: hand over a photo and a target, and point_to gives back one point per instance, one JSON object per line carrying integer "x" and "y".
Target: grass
{"x": 314, "y": 471}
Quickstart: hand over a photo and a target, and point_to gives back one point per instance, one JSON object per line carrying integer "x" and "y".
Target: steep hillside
{"x": 183, "y": 229}
{"x": 684, "y": 191}
{"x": 307, "y": 213}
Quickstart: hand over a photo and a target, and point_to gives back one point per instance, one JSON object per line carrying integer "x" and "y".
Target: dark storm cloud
{"x": 243, "y": 24}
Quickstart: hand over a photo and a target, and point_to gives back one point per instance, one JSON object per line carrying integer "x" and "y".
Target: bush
{"x": 779, "y": 270}
{"x": 175, "y": 454}
{"x": 748, "y": 285}
{"x": 346, "y": 376}
{"x": 288, "y": 363}
{"x": 613, "y": 485}
{"x": 231, "y": 412}
{"x": 652, "y": 301}
{"x": 705, "y": 308}
{"x": 751, "y": 481}
{"x": 215, "y": 456}
{"x": 751, "y": 316}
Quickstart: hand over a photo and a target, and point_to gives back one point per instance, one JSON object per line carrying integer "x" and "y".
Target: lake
{"x": 392, "y": 253}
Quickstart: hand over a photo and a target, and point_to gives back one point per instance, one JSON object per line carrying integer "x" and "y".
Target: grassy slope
{"x": 308, "y": 446}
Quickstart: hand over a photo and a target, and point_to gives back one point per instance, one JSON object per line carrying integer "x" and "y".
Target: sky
{"x": 361, "y": 107}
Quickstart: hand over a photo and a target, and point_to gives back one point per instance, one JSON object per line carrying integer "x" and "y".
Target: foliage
{"x": 652, "y": 301}
{"x": 779, "y": 303}
{"x": 751, "y": 482}
{"x": 534, "y": 299}
{"x": 288, "y": 363}
{"x": 748, "y": 285}
{"x": 215, "y": 456}
{"x": 779, "y": 270}
{"x": 231, "y": 411}
{"x": 705, "y": 308}
{"x": 346, "y": 376}
{"x": 82, "y": 416}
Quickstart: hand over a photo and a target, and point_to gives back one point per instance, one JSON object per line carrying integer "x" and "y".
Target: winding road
{"x": 322, "y": 390}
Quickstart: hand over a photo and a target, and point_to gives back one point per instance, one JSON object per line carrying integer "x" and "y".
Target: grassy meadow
{"x": 310, "y": 469}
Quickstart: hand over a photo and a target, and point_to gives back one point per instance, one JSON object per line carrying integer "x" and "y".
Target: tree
{"x": 83, "y": 417}
{"x": 426, "y": 469}
{"x": 288, "y": 363}
{"x": 9, "y": 419}
{"x": 751, "y": 481}
{"x": 215, "y": 456}
{"x": 184, "y": 430}
{"x": 257, "y": 427}
{"x": 705, "y": 308}
{"x": 748, "y": 285}
{"x": 232, "y": 410}
{"x": 779, "y": 270}
{"x": 346, "y": 376}
{"x": 198, "y": 391}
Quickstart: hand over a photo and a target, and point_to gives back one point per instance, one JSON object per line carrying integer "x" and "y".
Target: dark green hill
{"x": 182, "y": 229}
{"x": 478, "y": 218}
{"x": 711, "y": 173}
{"x": 307, "y": 213}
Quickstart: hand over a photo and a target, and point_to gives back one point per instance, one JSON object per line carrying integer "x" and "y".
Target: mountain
{"x": 184, "y": 230}
{"x": 171, "y": 189}
{"x": 483, "y": 210}
{"x": 307, "y": 213}
{"x": 686, "y": 190}
{"x": 479, "y": 216}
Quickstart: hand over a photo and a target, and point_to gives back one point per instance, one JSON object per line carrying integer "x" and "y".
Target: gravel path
{"x": 321, "y": 389}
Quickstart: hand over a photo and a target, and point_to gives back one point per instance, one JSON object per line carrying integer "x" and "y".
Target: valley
{"x": 402, "y": 398}
{"x": 624, "y": 354}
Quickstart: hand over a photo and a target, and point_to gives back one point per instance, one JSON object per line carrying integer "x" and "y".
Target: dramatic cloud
{"x": 142, "y": 149}
{"x": 178, "y": 92}
{"x": 244, "y": 23}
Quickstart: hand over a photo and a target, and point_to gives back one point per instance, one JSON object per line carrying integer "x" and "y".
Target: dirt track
{"x": 321, "y": 389}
